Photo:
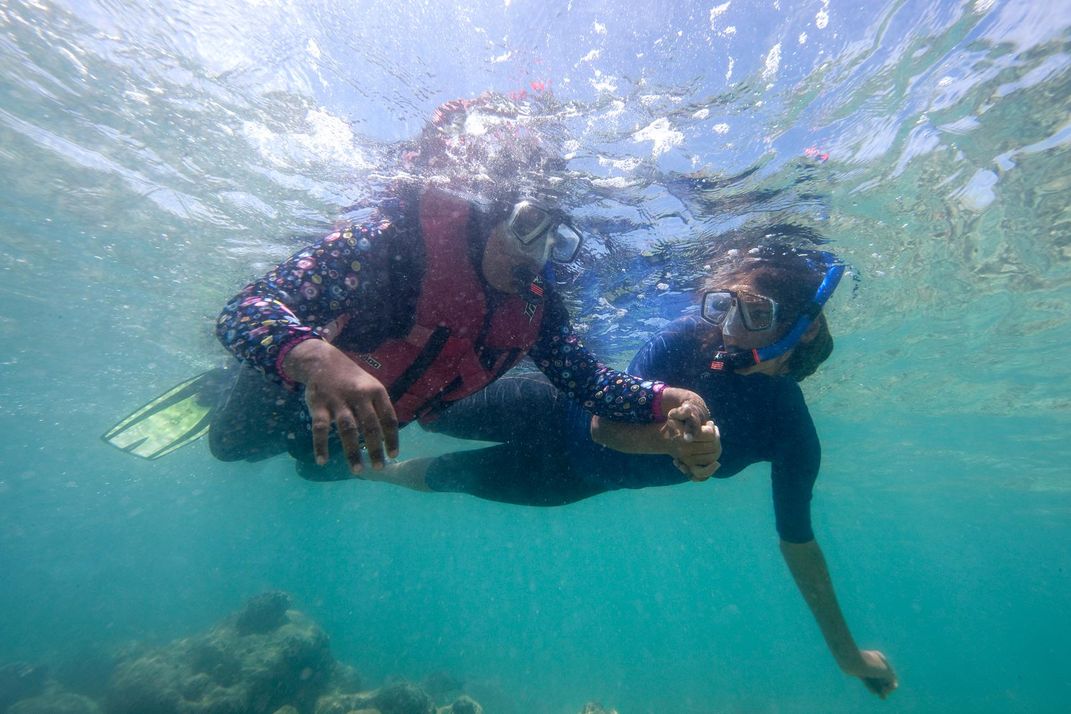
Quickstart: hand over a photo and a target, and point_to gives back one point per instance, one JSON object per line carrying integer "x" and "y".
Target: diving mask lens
{"x": 566, "y": 244}
{"x": 530, "y": 222}
{"x": 758, "y": 313}
{"x": 716, "y": 306}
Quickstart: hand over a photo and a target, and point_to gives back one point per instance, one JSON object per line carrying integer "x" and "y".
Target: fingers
{"x": 884, "y": 684}
{"x": 696, "y": 457}
{"x": 689, "y": 415}
{"x": 388, "y": 420}
{"x": 674, "y": 397}
{"x": 705, "y": 446}
{"x": 702, "y": 473}
{"x": 379, "y": 426}
{"x": 347, "y": 426}
{"x": 359, "y": 406}
{"x": 696, "y": 472}
{"x": 373, "y": 436}
{"x": 350, "y": 435}
{"x": 671, "y": 431}
{"x": 711, "y": 434}
{"x": 881, "y": 687}
{"x": 689, "y": 430}
{"x": 321, "y": 429}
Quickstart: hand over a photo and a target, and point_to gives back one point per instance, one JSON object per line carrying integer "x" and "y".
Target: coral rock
{"x": 441, "y": 685}
{"x": 346, "y": 678}
{"x": 400, "y": 698}
{"x": 403, "y": 698}
{"x": 56, "y": 703}
{"x": 263, "y": 613}
{"x": 463, "y": 705}
{"x": 343, "y": 703}
{"x": 247, "y": 667}
{"x": 596, "y": 708}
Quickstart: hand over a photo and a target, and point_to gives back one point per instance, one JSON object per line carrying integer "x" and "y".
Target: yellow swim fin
{"x": 179, "y": 416}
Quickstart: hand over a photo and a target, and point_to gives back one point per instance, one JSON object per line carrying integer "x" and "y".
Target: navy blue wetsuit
{"x": 548, "y": 458}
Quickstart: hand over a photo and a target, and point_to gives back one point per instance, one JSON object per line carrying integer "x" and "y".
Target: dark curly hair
{"x": 789, "y": 277}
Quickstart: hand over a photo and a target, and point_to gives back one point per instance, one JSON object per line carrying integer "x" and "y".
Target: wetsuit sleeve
{"x": 347, "y": 272}
{"x": 569, "y": 366}
{"x": 797, "y": 458}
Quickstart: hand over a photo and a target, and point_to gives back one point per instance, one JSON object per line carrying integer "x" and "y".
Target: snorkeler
{"x": 760, "y": 330}
{"x": 432, "y": 298}
{"x": 394, "y": 320}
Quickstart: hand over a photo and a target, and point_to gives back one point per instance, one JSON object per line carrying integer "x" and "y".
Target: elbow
{"x": 222, "y": 329}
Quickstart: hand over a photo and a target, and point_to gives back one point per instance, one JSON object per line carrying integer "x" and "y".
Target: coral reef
{"x": 265, "y": 659}
{"x": 268, "y": 658}
{"x": 256, "y": 662}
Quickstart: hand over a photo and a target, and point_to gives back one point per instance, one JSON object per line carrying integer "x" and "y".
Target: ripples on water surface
{"x": 155, "y": 155}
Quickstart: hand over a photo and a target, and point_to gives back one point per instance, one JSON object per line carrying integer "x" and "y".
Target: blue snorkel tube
{"x": 742, "y": 359}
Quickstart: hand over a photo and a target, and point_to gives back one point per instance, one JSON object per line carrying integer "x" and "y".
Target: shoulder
{"x": 788, "y": 391}
{"x": 688, "y": 331}
{"x": 389, "y": 232}
{"x": 678, "y": 346}
{"x": 793, "y": 428}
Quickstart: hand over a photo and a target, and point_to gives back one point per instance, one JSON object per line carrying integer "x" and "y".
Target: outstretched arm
{"x": 808, "y": 567}
{"x": 695, "y": 451}
{"x": 562, "y": 357}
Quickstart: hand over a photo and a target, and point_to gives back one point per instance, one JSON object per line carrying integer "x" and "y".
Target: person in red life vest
{"x": 391, "y": 321}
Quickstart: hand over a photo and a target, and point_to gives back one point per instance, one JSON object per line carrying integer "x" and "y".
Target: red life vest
{"x": 458, "y": 344}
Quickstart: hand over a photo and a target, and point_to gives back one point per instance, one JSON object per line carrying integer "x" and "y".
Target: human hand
{"x": 875, "y": 671}
{"x": 695, "y": 452}
{"x": 339, "y": 392}
{"x": 685, "y": 406}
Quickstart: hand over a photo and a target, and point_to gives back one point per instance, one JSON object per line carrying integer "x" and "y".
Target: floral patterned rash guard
{"x": 371, "y": 273}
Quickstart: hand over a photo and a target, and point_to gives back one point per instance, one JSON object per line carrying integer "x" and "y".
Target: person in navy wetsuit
{"x": 760, "y": 332}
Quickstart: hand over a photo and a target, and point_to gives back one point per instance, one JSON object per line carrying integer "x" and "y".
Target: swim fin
{"x": 179, "y": 416}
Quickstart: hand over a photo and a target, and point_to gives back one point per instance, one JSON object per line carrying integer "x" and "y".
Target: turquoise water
{"x": 155, "y": 156}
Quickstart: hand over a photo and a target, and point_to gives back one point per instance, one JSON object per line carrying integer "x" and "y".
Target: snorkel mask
{"x": 538, "y": 227}
{"x": 730, "y": 310}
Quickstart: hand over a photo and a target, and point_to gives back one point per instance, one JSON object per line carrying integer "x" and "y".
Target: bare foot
{"x": 408, "y": 474}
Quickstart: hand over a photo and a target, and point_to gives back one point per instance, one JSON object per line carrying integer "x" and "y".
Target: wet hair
{"x": 791, "y": 278}
{"x": 491, "y": 148}
{"x": 491, "y": 151}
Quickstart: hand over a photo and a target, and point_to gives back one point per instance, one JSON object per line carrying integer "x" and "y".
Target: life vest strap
{"x": 428, "y": 354}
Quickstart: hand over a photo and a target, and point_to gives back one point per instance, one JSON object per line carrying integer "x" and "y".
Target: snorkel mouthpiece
{"x": 733, "y": 360}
